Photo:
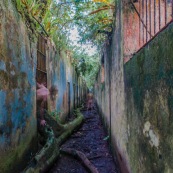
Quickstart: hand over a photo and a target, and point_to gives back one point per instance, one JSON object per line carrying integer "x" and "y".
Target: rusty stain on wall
{"x": 17, "y": 90}
{"x": 143, "y": 19}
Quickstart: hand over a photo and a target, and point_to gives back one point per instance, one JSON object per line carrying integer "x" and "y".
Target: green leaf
{"x": 106, "y": 138}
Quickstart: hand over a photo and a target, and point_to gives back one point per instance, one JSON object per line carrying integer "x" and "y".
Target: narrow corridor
{"x": 91, "y": 140}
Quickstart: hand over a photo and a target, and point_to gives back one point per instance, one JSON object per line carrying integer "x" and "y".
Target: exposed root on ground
{"x": 54, "y": 138}
{"x": 82, "y": 157}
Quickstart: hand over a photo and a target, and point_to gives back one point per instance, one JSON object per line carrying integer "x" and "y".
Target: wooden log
{"x": 70, "y": 127}
{"x": 57, "y": 127}
{"x": 47, "y": 155}
{"x": 50, "y": 151}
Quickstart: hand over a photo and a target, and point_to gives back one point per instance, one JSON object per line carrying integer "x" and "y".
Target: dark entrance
{"x": 41, "y": 72}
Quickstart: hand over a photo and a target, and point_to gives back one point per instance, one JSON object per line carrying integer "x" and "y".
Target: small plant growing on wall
{"x": 33, "y": 11}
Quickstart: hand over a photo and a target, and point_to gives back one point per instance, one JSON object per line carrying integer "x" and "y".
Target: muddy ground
{"x": 90, "y": 139}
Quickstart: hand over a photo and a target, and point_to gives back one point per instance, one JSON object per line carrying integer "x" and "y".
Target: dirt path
{"x": 91, "y": 140}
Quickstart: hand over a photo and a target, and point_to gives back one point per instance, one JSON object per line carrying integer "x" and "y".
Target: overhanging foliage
{"x": 92, "y": 18}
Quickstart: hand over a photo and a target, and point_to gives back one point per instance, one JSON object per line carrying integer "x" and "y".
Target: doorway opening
{"x": 41, "y": 72}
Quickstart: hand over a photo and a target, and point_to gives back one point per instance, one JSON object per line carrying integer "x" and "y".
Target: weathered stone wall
{"x": 18, "y": 63}
{"x": 110, "y": 95}
{"x": 149, "y": 100}
{"x": 135, "y": 35}
{"x": 141, "y": 101}
{"x": 17, "y": 89}
{"x": 62, "y": 74}
{"x": 118, "y": 117}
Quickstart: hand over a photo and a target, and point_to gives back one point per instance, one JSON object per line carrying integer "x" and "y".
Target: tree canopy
{"x": 92, "y": 18}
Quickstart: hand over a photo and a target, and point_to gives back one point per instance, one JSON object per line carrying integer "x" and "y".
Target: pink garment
{"x": 42, "y": 92}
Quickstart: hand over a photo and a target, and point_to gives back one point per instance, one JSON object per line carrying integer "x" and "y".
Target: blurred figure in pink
{"x": 42, "y": 96}
{"x": 90, "y": 102}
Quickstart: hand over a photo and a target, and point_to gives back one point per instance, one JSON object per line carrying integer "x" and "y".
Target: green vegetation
{"x": 56, "y": 19}
{"x": 15, "y": 154}
{"x": 86, "y": 65}
{"x": 94, "y": 21}
{"x": 56, "y": 114}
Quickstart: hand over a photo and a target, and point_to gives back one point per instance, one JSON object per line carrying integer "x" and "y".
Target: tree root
{"x": 69, "y": 128}
{"x": 81, "y": 156}
{"x": 50, "y": 151}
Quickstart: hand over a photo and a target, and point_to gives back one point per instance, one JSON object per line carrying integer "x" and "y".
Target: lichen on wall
{"x": 61, "y": 73}
{"x": 148, "y": 76}
{"x": 113, "y": 110}
{"x": 18, "y": 125}
{"x": 141, "y": 102}
{"x": 18, "y": 63}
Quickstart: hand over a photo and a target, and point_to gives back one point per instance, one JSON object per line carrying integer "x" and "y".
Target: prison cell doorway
{"x": 41, "y": 72}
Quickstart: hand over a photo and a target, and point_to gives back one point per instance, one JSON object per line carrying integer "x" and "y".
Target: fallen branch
{"x": 70, "y": 127}
{"x": 48, "y": 154}
{"x": 50, "y": 151}
{"x": 57, "y": 127}
{"x": 81, "y": 156}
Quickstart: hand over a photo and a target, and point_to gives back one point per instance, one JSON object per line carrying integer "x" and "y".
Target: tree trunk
{"x": 50, "y": 151}
{"x": 70, "y": 127}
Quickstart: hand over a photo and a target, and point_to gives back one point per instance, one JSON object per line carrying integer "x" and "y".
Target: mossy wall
{"x": 71, "y": 88}
{"x": 18, "y": 125}
{"x": 18, "y": 63}
{"x": 110, "y": 95}
{"x": 139, "y": 113}
{"x": 149, "y": 101}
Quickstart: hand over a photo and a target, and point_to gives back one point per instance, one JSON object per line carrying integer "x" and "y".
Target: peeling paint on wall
{"x": 18, "y": 63}
{"x": 18, "y": 124}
